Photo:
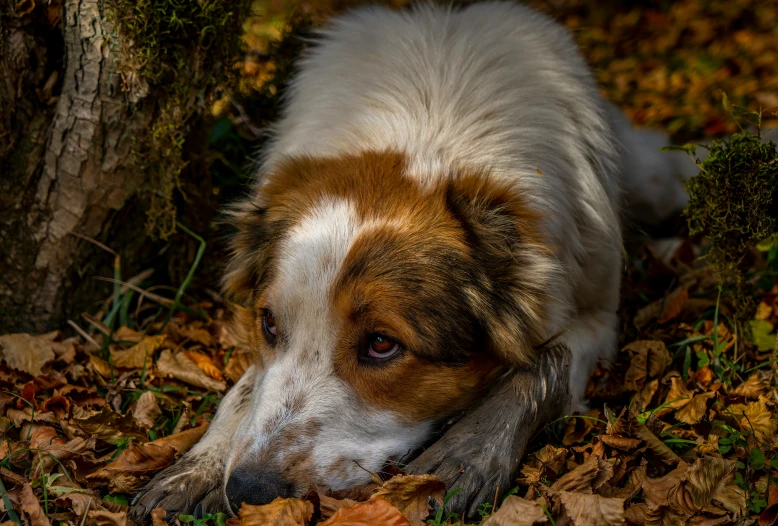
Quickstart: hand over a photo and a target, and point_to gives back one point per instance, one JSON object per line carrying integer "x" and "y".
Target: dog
{"x": 434, "y": 230}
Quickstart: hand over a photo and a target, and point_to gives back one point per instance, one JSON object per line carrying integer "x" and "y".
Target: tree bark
{"x": 63, "y": 171}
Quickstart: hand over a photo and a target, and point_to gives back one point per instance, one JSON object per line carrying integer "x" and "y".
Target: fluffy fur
{"x": 450, "y": 178}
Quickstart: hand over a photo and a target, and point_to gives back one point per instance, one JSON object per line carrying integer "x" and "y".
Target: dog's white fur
{"x": 493, "y": 86}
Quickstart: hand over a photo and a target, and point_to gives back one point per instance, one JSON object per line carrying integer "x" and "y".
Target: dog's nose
{"x": 255, "y": 487}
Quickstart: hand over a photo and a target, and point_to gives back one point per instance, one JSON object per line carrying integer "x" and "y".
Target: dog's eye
{"x": 269, "y": 326}
{"x": 382, "y": 347}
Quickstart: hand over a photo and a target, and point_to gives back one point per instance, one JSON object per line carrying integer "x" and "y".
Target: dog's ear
{"x": 512, "y": 298}
{"x": 251, "y": 251}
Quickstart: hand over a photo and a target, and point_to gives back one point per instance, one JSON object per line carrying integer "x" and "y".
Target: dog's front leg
{"x": 480, "y": 453}
{"x": 193, "y": 485}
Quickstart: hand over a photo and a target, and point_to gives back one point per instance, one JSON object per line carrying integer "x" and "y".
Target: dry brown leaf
{"x": 648, "y": 360}
{"x": 411, "y": 493}
{"x": 125, "y": 334}
{"x": 182, "y": 368}
{"x": 108, "y": 425}
{"x": 135, "y": 464}
{"x": 31, "y": 508}
{"x": 132, "y": 468}
{"x": 674, "y": 304}
{"x": 280, "y": 512}
{"x": 196, "y": 333}
{"x": 633, "y": 486}
{"x": 755, "y": 386}
{"x": 109, "y": 518}
{"x": 375, "y": 512}
{"x": 136, "y": 356}
{"x": 636, "y": 514}
{"x": 328, "y": 505}
{"x": 102, "y": 367}
{"x": 183, "y": 441}
{"x": 147, "y": 410}
{"x": 620, "y": 442}
{"x": 769, "y": 516}
{"x": 578, "y": 428}
{"x": 539, "y": 464}
{"x": 687, "y": 490}
{"x": 585, "y": 478}
{"x": 755, "y": 415}
{"x": 516, "y": 511}
{"x": 677, "y": 397}
{"x": 592, "y": 510}
{"x": 158, "y": 517}
{"x": 695, "y": 410}
{"x": 642, "y": 400}
{"x": 205, "y": 363}
{"x": 28, "y": 353}
{"x": 75, "y": 447}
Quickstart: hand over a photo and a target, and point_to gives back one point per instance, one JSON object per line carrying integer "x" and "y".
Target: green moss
{"x": 732, "y": 202}
{"x": 175, "y": 54}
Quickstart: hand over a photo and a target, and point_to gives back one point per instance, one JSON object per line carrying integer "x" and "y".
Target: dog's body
{"x": 441, "y": 198}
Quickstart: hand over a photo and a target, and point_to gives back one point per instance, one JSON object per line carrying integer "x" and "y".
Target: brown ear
{"x": 504, "y": 237}
{"x": 251, "y": 251}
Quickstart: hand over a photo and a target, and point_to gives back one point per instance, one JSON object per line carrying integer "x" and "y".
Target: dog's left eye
{"x": 381, "y": 347}
{"x": 269, "y": 326}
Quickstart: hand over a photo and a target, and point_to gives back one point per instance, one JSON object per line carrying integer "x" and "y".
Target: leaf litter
{"x": 682, "y": 428}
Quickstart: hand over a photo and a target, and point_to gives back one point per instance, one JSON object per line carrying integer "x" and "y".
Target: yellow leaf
{"x": 135, "y": 357}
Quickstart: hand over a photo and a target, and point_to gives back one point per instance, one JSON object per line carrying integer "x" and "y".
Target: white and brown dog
{"x": 440, "y": 199}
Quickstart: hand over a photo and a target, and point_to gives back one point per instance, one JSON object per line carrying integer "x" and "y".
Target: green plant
{"x": 732, "y": 202}
{"x": 441, "y": 515}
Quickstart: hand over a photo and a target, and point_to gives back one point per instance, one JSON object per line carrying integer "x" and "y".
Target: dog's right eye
{"x": 269, "y": 326}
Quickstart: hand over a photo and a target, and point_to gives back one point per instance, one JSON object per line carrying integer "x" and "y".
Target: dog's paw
{"x": 475, "y": 478}
{"x": 191, "y": 486}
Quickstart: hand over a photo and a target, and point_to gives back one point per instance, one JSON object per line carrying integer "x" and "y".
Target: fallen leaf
{"x": 516, "y": 511}
{"x": 589, "y": 476}
{"x": 135, "y": 357}
{"x": 182, "y": 368}
{"x": 674, "y": 304}
{"x": 31, "y": 508}
{"x": 769, "y": 516}
{"x": 102, "y": 367}
{"x": 28, "y": 353}
{"x": 205, "y": 363}
{"x": 132, "y": 468}
{"x": 109, "y": 518}
{"x": 196, "y": 333}
{"x": 760, "y": 332}
{"x": 695, "y": 410}
{"x": 147, "y": 410}
{"x": 125, "y": 334}
{"x": 375, "y": 512}
{"x": 648, "y": 360}
{"x": 109, "y": 426}
{"x": 690, "y": 489}
{"x": 280, "y": 512}
{"x": 755, "y": 386}
{"x": 328, "y": 505}
{"x": 756, "y": 416}
{"x": 592, "y": 510}
{"x": 158, "y": 517}
{"x": 411, "y": 493}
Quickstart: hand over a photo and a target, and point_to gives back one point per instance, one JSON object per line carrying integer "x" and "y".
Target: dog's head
{"x": 378, "y": 306}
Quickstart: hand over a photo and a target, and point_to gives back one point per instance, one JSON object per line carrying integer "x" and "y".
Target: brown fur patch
{"x": 449, "y": 270}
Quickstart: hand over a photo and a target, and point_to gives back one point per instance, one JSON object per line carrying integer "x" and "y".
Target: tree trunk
{"x": 72, "y": 119}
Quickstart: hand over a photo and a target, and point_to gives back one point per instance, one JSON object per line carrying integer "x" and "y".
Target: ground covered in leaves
{"x": 683, "y": 429}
